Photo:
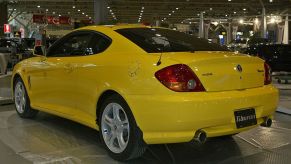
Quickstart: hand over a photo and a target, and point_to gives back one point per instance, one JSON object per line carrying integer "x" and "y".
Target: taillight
{"x": 179, "y": 78}
{"x": 268, "y": 78}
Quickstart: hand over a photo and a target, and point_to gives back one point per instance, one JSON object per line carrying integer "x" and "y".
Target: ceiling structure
{"x": 171, "y": 11}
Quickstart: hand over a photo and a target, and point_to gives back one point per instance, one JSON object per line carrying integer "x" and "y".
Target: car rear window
{"x": 154, "y": 40}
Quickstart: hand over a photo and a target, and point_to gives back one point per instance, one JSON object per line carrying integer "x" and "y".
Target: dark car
{"x": 8, "y": 50}
{"x": 258, "y": 41}
{"x": 278, "y": 56}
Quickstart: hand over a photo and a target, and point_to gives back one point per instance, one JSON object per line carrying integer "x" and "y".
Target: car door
{"x": 89, "y": 70}
{"x": 58, "y": 73}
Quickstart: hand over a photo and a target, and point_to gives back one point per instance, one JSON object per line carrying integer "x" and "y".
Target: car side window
{"x": 73, "y": 45}
{"x": 99, "y": 43}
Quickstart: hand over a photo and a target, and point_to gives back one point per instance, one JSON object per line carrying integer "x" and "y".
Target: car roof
{"x": 115, "y": 27}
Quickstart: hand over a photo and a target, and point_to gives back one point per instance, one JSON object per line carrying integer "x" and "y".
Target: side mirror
{"x": 39, "y": 51}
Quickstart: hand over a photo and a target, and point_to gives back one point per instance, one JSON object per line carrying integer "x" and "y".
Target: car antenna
{"x": 162, "y": 51}
{"x": 159, "y": 61}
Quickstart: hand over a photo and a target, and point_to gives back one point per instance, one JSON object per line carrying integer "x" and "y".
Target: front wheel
{"x": 118, "y": 130}
{"x": 21, "y": 100}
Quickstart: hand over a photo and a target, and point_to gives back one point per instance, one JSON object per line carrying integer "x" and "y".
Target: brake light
{"x": 179, "y": 78}
{"x": 268, "y": 78}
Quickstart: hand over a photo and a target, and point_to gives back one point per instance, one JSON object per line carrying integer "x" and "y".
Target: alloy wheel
{"x": 115, "y": 127}
{"x": 19, "y": 97}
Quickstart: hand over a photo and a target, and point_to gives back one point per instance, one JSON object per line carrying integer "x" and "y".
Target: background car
{"x": 141, "y": 85}
{"x": 278, "y": 56}
{"x": 238, "y": 45}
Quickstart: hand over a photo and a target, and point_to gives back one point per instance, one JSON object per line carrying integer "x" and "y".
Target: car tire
{"x": 119, "y": 132}
{"x": 22, "y": 101}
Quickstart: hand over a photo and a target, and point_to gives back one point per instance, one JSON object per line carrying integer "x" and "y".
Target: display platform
{"x": 50, "y": 139}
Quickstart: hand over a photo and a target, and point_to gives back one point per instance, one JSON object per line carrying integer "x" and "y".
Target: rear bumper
{"x": 176, "y": 117}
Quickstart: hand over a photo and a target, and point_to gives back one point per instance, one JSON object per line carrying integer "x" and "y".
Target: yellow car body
{"x": 72, "y": 87}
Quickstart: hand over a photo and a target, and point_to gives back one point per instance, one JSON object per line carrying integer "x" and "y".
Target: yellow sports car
{"x": 143, "y": 85}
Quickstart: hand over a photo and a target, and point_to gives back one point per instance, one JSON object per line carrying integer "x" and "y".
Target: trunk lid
{"x": 223, "y": 71}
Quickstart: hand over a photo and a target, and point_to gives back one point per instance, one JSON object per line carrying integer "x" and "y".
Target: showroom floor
{"x": 49, "y": 139}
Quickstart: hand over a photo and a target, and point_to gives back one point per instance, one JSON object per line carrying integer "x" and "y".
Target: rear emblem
{"x": 239, "y": 68}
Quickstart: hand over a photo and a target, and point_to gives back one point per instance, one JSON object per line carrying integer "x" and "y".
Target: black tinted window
{"x": 99, "y": 43}
{"x": 74, "y": 45}
{"x": 155, "y": 40}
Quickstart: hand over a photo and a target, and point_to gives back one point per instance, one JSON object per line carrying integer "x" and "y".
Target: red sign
{"x": 38, "y": 18}
{"x": 51, "y": 19}
{"x": 7, "y": 28}
{"x": 65, "y": 20}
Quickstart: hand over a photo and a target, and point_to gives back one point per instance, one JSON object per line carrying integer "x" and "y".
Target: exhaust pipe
{"x": 267, "y": 122}
{"x": 200, "y": 136}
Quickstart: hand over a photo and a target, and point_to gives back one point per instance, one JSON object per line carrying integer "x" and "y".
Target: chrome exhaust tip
{"x": 267, "y": 122}
{"x": 200, "y": 136}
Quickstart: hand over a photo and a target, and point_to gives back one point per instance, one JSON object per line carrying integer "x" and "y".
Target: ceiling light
{"x": 46, "y": 10}
{"x": 89, "y": 17}
{"x": 170, "y": 14}
{"x": 74, "y": 7}
{"x": 210, "y": 9}
{"x": 270, "y": 1}
{"x": 110, "y": 10}
{"x": 241, "y": 21}
{"x": 79, "y": 10}
{"x": 108, "y": 7}
{"x": 60, "y": 15}
{"x": 177, "y": 8}
{"x": 54, "y": 12}
{"x": 142, "y": 7}
{"x": 141, "y": 11}
{"x": 229, "y": 0}
{"x": 215, "y": 23}
{"x": 234, "y": 12}
{"x": 244, "y": 9}
{"x": 14, "y": 9}
{"x": 86, "y": 15}
{"x": 38, "y": 6}
{"x": 173, "y": 11}
{"x": 226, "y": 15}
{"x": 83, "y": 13}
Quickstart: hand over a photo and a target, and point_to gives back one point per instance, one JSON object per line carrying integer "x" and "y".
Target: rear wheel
{"x": 118, "y": 130}
{"x": 21, "y": 100}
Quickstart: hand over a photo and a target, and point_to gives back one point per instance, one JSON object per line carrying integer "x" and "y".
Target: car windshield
{"x": 154, "y": 40}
